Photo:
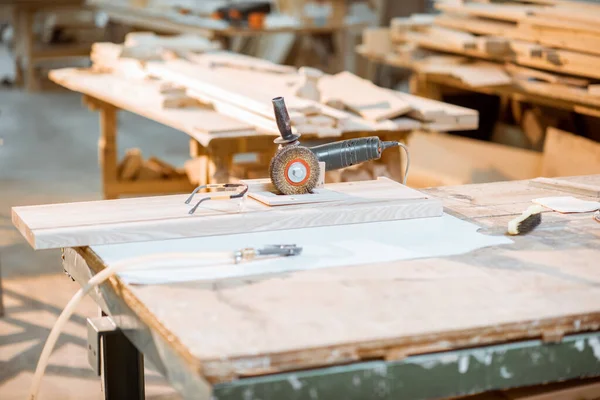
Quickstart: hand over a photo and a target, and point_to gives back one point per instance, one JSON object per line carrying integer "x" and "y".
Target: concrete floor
{"x": 49, "y": 155}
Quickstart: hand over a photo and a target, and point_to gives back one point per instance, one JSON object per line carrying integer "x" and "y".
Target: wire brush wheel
{"x": 294, "y": 170}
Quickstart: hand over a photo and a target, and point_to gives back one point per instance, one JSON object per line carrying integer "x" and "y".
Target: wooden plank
{"x": 569, "y": 13}
{"x": 564, "y": 185}
{"x": 594, "y": 90}
{"x": 362, "y": 96}
{"x": 525, "y": 53}
{"x": 526, "y": 30}
{"x": 428, "y": 110}
{"x": 523, "y": 72}
{"x": 148, "y": 45}
{"x": 216, "y": 59}
{"x": 566, "y": 154}
{"x": 475, "y": 74}
{"x": 377, "y": 40}
{"x": 399, "y": 26}
{"x": 561, "y": 24}
{"x": 166, "y": 169}
{"x": 563, "y": 61}
{"x": 462, "y": 160}
{"x": 264, "y": 124}
{"x": 502, "y": 12}
{"x": 475, "y": 25}
{"x": 582, "y": 41}
{"x": 569, "y": 95}
{"x": 118, "y": 221}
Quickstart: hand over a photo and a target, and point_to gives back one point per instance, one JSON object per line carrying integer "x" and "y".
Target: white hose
{"x": 98, "y": 279}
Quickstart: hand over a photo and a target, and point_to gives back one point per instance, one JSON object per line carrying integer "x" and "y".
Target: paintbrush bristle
{"x": 526, "y": 222}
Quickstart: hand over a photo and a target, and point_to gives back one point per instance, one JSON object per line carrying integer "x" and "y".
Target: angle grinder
{"x": 295, "y": 168}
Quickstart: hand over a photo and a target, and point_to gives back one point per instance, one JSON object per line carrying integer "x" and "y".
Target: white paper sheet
{"x": 341, "y": 245}
{"x": 568, "y": 204}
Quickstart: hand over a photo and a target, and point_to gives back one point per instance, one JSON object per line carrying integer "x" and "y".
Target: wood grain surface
{"x": 166, "y": 217}
{"x": 545, "y": 284}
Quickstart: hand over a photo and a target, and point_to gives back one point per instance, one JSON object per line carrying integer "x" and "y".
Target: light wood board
{"x": 501, "y": 12}
{"x": 264, "y": 191}
{"x": 585, "y": 42}
{"x": 565, "y": 185}
{"x": 166, "y": 217}
{"x": 525, "y": 53}
{"x": 568, "y": 154}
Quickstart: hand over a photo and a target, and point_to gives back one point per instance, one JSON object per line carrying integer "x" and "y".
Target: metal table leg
{"x": 122, "y": 364}
{"x": 122, "y": 368}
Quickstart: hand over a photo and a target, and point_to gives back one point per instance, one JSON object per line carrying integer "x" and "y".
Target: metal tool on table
{"x": 295, "y": 168}
{"x": 274, "y": 250}
{"x": 240, "y": 191}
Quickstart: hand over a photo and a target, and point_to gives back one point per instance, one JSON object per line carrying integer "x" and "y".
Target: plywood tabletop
{"x": 542, "y": 285}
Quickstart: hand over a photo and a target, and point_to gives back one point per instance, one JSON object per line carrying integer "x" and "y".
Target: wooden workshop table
{"x": 433, "y": 86}
{"x": 505, "y": 316}
{"x": 27, "y": 53}
{"x": 214, "y": 150}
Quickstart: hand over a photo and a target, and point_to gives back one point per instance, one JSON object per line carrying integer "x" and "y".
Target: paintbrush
{"x": 527, "y": 221}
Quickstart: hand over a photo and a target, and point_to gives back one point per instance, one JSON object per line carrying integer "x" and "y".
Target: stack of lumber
{"x": 484, "y": 43}
{"x": 129, "y": 60}
{"x": 246, "y": 94}
{"x": 133, "y": 167}
{"x": 191, "y": 71}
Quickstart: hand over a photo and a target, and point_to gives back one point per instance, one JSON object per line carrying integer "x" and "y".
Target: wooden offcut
{"x": 131, "y": 164}
{"x": 363, "y": 97}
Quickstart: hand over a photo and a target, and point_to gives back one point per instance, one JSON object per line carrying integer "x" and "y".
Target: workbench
{"x": 504, "y": 316}
{"x": 175, "y": 23}
{"x": 215, "y": 150}
{"x": 172, "y": 22}
{"x": 434, "y": 86}
{"x": 27, "y": 52}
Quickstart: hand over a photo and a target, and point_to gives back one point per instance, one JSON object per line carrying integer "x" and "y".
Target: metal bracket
{"x": 96, "y": 329}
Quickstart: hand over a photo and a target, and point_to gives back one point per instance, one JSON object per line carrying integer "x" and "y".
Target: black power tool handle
{"x": 350, "y": 152}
